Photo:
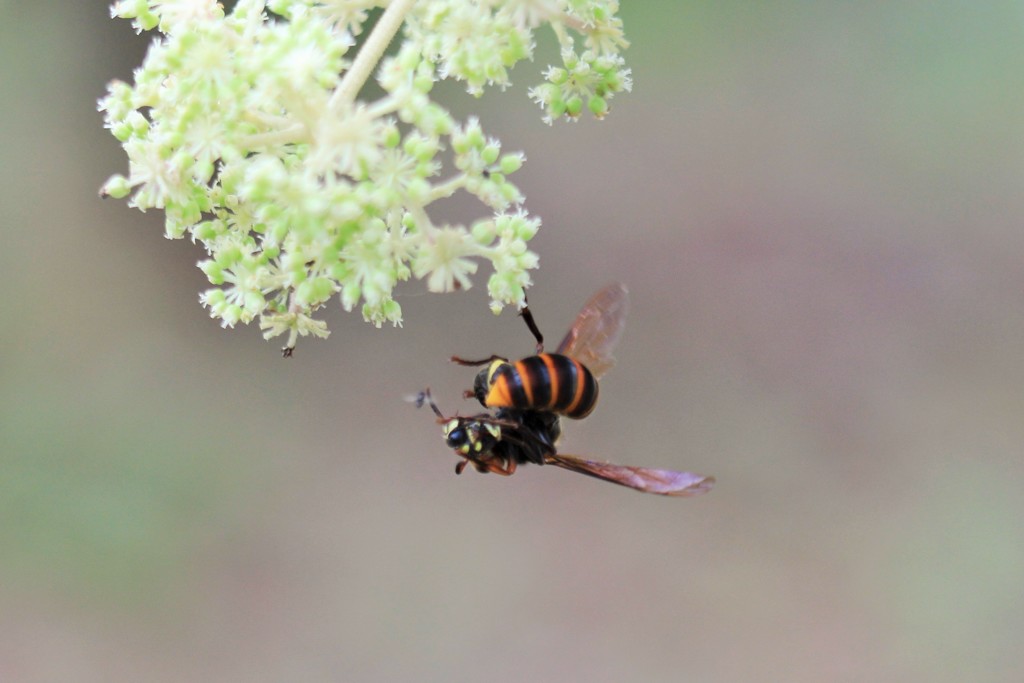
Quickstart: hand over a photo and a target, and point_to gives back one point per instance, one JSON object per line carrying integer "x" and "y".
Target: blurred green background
{"x": 817, "y": 209}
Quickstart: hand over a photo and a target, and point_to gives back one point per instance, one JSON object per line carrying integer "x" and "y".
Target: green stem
{"x": 447, "y": 188}
{"x": 561, "y": 34}
{"x": 423, "y": 222}
{"x": 259, "y": 141}
{"x": 373, "y": 49}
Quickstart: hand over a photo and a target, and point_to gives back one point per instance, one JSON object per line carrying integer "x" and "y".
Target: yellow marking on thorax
{"x": 498, "y": 396}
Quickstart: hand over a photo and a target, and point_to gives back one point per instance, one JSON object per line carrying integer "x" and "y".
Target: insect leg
{"x": 485, "y": 361}
{"x": 527, "y": 317}
{"x": 496, "y": 466}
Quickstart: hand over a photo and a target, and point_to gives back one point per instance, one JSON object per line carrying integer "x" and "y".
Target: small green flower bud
{"x": 117, "y": 187}
{"x": 546, "y": 92}
{"x": 392, "y": 311}
{"x": 228, "y": 256}
{"x": 484, "y": 232}
{"x": 423, "y": 82}
{"x": 174, "y": 227}
{"x": 510, "y": 193}
{"x": 203, "y": 171}
{"x": 231, "y": 314}
{"x": 314, "y": 292}
{"x": 527, "y": 261}
{"x": 490, "y": 153}
{"x": 213, "y": 297}
{"x": 254, "y": 303}
{"x": 510, "y": 163}
{"x": 460, "y": 144}
{"x": 350, "y": 296}
{"x": 340, "y": 272}
{"x": 203, "y": 232}
{"x": 557, "y": 108}
{"x": 527, "y": 229}
{"x": 574, "y": 106}
{"x": 418, "y": 190}
{"x": 475, "y": 136}
{"x": 122, "y": 130}
{"x": 138, "y": 123}
{"x": 213, "y": 270}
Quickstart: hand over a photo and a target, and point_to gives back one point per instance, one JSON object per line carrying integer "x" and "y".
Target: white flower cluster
{"x": 246, "y": 129}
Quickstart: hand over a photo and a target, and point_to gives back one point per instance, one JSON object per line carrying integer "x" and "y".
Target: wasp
{"x": 527, "y": 398}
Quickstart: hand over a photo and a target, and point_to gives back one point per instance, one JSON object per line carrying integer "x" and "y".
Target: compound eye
{"x": 456, "y": 437}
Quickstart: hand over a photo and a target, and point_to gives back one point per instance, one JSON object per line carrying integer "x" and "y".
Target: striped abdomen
{"x": 548, "y": 381}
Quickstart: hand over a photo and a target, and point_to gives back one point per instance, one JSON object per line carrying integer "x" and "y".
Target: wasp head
{"x": 469, "y": 437}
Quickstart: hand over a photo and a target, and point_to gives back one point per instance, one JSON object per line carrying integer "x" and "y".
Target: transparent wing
{"x": 662, "y": 482}
{"x": 597, "y": 329}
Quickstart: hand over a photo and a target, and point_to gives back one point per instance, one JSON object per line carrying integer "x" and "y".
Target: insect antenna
{"x": 424, "y": 397}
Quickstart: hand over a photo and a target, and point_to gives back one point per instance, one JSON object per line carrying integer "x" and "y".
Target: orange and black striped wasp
{"x": 527, "y": 398}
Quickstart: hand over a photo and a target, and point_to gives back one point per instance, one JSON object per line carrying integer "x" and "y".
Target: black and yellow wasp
{"x": 527, "y": 398}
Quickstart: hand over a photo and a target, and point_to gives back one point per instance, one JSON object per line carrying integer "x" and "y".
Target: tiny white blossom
{"x": 445, "y": 260}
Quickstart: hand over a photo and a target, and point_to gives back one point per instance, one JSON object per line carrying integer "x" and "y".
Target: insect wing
{"x": 662, "y": 482}
{"x": 597, "y": 329}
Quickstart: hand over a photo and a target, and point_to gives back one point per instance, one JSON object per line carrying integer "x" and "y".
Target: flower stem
{"x": 258, "y": 141}
{"x": 369, "y": 56}
{"x": 447, "y": 188}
